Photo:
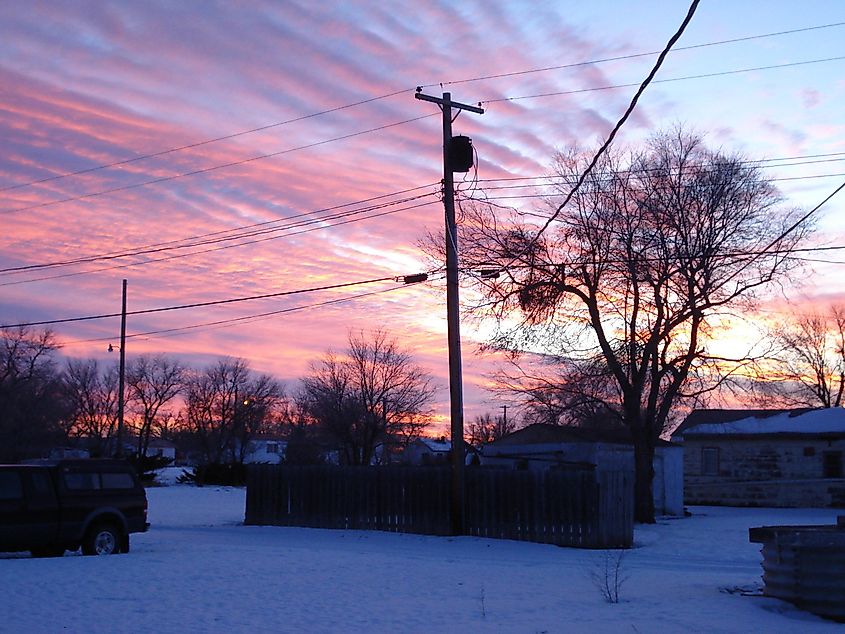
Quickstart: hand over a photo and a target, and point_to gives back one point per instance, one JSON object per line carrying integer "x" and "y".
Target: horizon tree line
{"x": 350, "y": 402}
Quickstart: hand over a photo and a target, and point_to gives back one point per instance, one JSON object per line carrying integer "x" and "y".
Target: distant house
{"x": 764, "y": 457}
{"x": 266, "y": 449}
{"x": 542, "y": 446}
{"x": 159, "y": 447}
{"x": 427, "y": 451}
{"x": 63, "y": 453}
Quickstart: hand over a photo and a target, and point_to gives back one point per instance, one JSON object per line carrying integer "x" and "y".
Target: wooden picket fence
{"x": 570, "y": 507}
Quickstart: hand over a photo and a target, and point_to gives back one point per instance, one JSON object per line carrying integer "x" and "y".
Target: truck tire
{"x": 48, "y": 551}
{"x": 102, "y": 539}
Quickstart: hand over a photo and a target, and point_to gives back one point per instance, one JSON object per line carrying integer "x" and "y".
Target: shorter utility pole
{"x": 453, "y": 317}
{"x": 122, "y": 376}
{"x": 505, "y": 416}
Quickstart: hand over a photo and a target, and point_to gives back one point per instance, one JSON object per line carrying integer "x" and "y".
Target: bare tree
{"x": 31, "y": 403}
{"x": 633, "y": 272}
{"x": 809, "y": 366}
{"x": 486, "y": 428}
{"x": 371, "y": 394}
{"x": 226, "y": 405}
{"x": 153, "y": 384}
{"x": 92, "y": 396}
{"x": 555, "y": 390}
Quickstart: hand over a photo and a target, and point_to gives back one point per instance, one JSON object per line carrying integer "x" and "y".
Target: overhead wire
{"x": 190, "y": 146}
{"x": 223, "y": 323}
{"x": 204, "y": 142}
{"x": 224, "y": 231}
{"x": 212, "y": 168}
{"x": 230, "y": 300}
{"x": 633, "y": 104}
{"x": 215, "y": 238}
{"x": 473, "y": 185}
{"x": 635, "y": 55}
{"x": 218, "y": 248}
{"x": 376, "y": 98}
{"x": 172, "y": 245}
{"x": 546, "y": 196}
{"x": 661, "y": 81}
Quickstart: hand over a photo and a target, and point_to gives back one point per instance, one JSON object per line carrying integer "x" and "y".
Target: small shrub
{"x": 232, "y": 474}
{"x": 607, "y": 574}
{"x": 146, "y": 466}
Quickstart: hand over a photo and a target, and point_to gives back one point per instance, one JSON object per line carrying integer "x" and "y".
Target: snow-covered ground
{"x": 199, "y": 570}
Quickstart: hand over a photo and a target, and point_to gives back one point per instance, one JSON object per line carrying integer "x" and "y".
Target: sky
{"x": 285, "y": 137}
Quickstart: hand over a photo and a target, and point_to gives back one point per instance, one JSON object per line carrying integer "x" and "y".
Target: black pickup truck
{"x": 47, "y": 507}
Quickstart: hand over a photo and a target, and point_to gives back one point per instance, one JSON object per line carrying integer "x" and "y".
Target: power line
{"x": 383, "y": 127}
{"x": 619, "y": 123}
{"x": 211, "y": 168}
{"x": 640, "y": 170}
{"x": 557, "y": 179}
{"x": 183, "y": 242}
{"x": 218, "y": 302}
{"x": 217, "y": 237}
{"x": 635, "y": 55}
{"x": 221, "y": 232}
{"x": 534, "y": 186}
{"x": 659, "y": 259}
{"x": 197, "y": 144}
{"x": 222, "y": 323}
{"x": 663, "y": 81}
{"x": 393, "y": 94}
{"x": 213, "y": 249}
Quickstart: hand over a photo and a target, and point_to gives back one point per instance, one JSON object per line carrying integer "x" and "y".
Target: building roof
{"x": 803, "y": 421}
{"x": 541, "y": 434}
{"x": 269, "y": 438}
{"x": 436, "y": 444}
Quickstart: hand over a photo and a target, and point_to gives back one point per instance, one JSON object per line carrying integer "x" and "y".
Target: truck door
{"x": 12, "y": 509}
{"x": 43, "y": 511}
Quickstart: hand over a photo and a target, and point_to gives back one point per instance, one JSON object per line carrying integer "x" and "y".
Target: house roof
{"x": 540, "y": 433}
{"x": 161, "y": 443}
{"x": 436, "y": 444}
{"x": 805, "y": 421}
{"x": 269, "y": 438}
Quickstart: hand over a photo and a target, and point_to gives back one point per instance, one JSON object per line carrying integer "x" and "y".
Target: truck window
{"x": 10, "y": 485}
{"x": 41, "y": 483}
{"x": 81, "y": 481}
{"x": 117, "y": 481}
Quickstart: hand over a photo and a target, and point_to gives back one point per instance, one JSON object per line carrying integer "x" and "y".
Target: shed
{"x": 541, "y": 446}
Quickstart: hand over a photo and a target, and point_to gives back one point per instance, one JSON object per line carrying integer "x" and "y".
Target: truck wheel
{"x": 102, "y": 539}
{"x": 47, "y": 551}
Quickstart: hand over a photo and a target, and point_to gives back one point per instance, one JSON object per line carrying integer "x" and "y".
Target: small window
{"x": 82, "y": 481}
{"x": 832, "y": 464}
{"x": 272, "y": 447}
{"x": 710, "y": 461}
{"x": 10, "y": 485}
{"x": 117, "y": 481}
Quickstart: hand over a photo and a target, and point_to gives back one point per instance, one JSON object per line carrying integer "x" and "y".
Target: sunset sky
{"x": 91, "y": 84}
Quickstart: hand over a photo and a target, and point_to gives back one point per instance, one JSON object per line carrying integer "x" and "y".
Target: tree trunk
{"x": 643, "y": 478}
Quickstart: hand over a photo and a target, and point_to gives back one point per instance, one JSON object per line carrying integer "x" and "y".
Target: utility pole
{"x": 452, "y": 308}
{"x": 121, "y": 375}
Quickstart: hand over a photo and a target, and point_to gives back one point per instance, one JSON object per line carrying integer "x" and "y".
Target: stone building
{"x": 785, "y": 458}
